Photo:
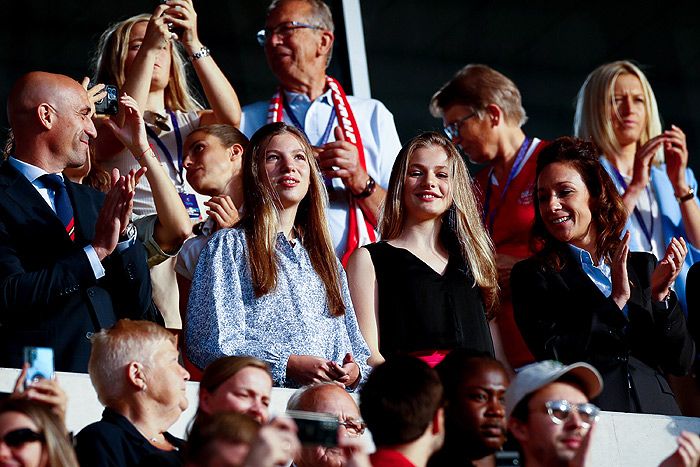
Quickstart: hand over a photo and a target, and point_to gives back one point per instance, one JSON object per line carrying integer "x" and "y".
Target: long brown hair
{"x": 607, "y": 209}
{"x": 462, "y": 230}
{"x": 59, "y": 450}
{"x": 261, "y": 218}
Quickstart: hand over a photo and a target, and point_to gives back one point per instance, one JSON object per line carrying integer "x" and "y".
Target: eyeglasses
{"x": 560, "y": 411}
{"x": 353, "y": 427}
{"x": 452, "y": 130}
{"x": 284, "y": 30}
{"x": 17, "y": 438}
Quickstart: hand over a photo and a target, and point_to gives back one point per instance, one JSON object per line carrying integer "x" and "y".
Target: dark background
{"x": 413, "y": 47}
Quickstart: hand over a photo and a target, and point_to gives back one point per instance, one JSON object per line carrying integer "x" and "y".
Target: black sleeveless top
{"x": 420, "y": 310}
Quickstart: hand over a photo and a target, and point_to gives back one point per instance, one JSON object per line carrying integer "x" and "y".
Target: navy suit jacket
{"x": 49, "y": 296}
{"x": 563, "y": 316}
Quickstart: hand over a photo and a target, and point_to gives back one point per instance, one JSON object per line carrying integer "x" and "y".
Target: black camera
{"x": 108, "y": 105}
{"x": 316, "y": 428}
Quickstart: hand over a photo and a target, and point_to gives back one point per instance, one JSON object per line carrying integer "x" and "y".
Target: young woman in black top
{"x": 429, "y": 285}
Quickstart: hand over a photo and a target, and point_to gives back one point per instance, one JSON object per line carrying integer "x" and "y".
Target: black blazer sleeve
{"x": 128, "y": 279}
{"x": 660, "y": 335}
{"x": 562, "y": 315}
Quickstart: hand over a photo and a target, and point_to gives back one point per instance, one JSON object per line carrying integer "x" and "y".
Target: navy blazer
{"x": 563, "y": 316}
{"x": 49, "y": 296}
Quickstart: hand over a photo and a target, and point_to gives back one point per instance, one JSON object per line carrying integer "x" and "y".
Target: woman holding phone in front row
{"x": 585, "y": 297}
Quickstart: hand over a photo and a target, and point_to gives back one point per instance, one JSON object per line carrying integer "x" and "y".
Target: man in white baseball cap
{"x": 548, "y": 410}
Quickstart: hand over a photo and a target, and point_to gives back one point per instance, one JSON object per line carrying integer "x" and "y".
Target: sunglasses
{"x": 17, "y": 438}
{"x": 560, "y": 411}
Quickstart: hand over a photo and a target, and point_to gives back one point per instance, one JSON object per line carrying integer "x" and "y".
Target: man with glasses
{"x": 549, "y": 413}
{"x": 355, "y": 139}
{"x": 327, "y": 398}
{"x": 482, "y": 113}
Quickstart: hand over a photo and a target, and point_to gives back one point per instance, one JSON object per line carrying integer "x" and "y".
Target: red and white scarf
{"x": 360, "y": 229}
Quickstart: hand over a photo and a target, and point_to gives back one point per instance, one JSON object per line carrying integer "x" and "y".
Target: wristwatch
{"x": 129, "y": 233}
{"x": 688, "y": 196}
{"x": 370, "y": 186}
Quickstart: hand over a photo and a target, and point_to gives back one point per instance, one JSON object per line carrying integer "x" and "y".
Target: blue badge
{"x": 190, "y": 202}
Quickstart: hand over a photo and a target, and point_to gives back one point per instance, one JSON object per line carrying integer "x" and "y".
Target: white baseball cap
{"x": 532, "y": 377}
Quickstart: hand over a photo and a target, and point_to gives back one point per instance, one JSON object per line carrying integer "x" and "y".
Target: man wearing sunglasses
{"x": 355, "y": 139}
{"x": 549, "y": 413}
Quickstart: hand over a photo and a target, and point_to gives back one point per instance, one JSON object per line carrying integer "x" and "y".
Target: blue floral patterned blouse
{"x": 225, "y": 318}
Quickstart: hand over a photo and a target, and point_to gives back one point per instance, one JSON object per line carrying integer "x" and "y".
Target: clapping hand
{"x": 676, "y": 152}
{"x": 620, "y": 281}
{"x": 668, "y": 268}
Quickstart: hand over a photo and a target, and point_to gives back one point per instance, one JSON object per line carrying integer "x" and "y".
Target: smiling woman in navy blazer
{"x": 585, "y": 297}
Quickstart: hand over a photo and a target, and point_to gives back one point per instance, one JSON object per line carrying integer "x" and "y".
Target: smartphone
{"x": 507, "y": 459}
{"x": 315, "y": 428}
{"x": 40, "y": 360}
{"x": 108, "y": 105}
{"x": 177, "y": 31}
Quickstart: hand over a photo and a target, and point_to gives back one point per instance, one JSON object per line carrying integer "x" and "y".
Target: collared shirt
{"x": 32, "y": 173}
{"x": 379, "y": 139}
{"x": 600, "y": 274}
{"x": 226, "y": 318}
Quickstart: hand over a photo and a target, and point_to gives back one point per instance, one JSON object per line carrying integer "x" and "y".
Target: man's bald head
{"x": 327, "y": 398}
{"x": 33, "y": 89}
{"x": 50, "y": 116}
{"x": 309, "y": 398}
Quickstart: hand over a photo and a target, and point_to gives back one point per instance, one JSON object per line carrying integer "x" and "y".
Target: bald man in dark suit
{"x": 69, "y": 260}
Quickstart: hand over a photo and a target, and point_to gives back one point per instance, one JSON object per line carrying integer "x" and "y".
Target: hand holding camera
{"x": 181, "y": 19}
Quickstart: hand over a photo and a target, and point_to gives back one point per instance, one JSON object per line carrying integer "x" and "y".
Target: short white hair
{"x": 113, "y": 349}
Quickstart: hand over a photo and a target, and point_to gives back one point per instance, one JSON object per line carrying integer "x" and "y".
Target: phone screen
{"x": 40, "y": 361}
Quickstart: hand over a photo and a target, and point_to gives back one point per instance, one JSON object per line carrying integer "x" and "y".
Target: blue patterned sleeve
{"x": 360, "y": 350}
{"x": 215, "y": 292}
{"x": 220, "y": 308}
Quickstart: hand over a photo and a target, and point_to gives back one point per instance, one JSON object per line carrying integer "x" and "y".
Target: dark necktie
{"x": 64, "y": 210}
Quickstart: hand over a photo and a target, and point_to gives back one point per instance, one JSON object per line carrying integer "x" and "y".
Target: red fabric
{"x": 512, "y": 226}
{"x": 389, "y": 458}
{"x": 432, "y": 358}
{"x": 351, "y": 133}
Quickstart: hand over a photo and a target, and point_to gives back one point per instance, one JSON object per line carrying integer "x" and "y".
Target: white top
{"x": 125, "y": 161}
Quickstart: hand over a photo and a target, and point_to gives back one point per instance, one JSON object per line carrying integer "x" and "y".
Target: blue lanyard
{"x": 648, "y": 232}
{"x": 297, "y": 123}
{"x": 513, "y": 171}
{"x": 178, "y": 139}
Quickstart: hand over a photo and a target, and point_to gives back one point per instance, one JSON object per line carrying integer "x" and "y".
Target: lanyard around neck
{"x": 164, "y": 149}
{"x": 647, "y": 231}
{"x": 490, "y": 216}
